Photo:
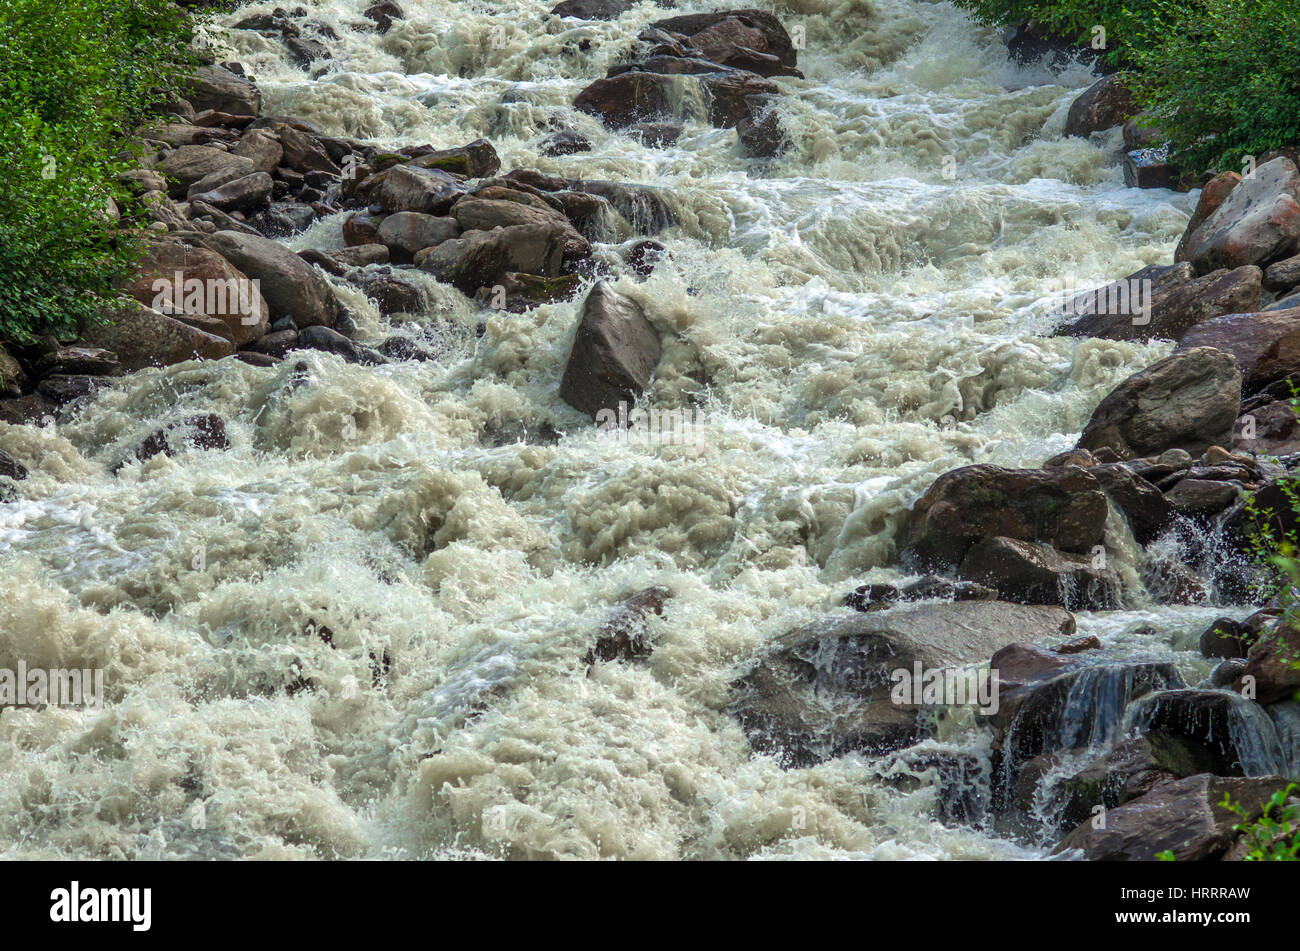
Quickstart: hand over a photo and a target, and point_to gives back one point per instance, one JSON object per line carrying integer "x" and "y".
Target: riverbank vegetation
{"x": 1217, "y": 77}
{"x": 76, "y": 78}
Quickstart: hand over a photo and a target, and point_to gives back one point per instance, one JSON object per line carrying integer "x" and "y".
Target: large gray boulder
{"x": 142, "y": 337}
{"x": 825, "y": 689}
{"x": 291, "y": 286}
{"x": 218, "y": 89}
{"x": 1266, "y": 345}
{"x": 1189, "y": 401}
{"x": 615, "y": 352}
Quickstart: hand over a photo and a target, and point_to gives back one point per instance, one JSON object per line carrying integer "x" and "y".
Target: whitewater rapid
{"x": 850, "y": 321}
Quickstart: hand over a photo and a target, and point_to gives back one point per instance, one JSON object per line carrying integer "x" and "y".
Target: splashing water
{"x": 850, "y": 323}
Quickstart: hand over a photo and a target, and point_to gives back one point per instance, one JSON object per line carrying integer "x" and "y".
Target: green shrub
{"x": 76, "y": 77}
{"x": 1224, "y": 82}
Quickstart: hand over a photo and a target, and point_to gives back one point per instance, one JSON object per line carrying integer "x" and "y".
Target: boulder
{"x": 245, "y": 194}
{"x": 142, "y": 337}
{"x": 825, "y": 688}
{"x": 261, "y": 148}
{"x": 477, "y": 258}
{"x": 1034, "y": 573}
{"x": 477, "y": 214}
{"x": 1230, "y": 734}
{"x": 1273, "y": 665}
{"x": 1162, "y": 303}
{"x": 763, "y": 138}
{"x": 1065, "y": 508}
{"x": 190, "y": 163}
{"x": 1213, "y": 195}
{"x": 90, "y": 361}
{"x": 1258, "y": 223}
{"x": 429, "y": 191}
{"x": 1184, "y": 817}
{"x": 1104, "y": 105}
{"x": 291, "y": 286}
{"x": 390, "y": 292}
{"x": 383, "y": 13}
{"x": 409, "y": 232}
{"x": 517, "y": 293}
{"x": 614, "y": 354}
{"x": 178, "y": 279}
{"x": 777, "y": 40}
{"x": 478, "y": 159}
{"x": 628, "y": 98}
{"x": 1186, "y": 401}
{"x": 1284, "y": 275}
{"x": 1272, "y": 429}
{"x": 217, "y": 88}
{"x": 1266, "y": 345}
{"x": 303, "y": 152}
{"x": 198, "y": 431}
{"x": 593, "y": 9}
{"x": 624, "y": 634}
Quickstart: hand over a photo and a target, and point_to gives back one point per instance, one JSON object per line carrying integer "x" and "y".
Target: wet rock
{"x": 623, "y": 635}
{"x": 1104, "y": 105}
{"x": 391, "y": 293}
{"x": 285, "y": 218}
{"x": 383, "y": 13}
{"x": 1079, "y": 644}
{"x": 1145, "y": 508}
{"x": 763, "y": 138}
{"x": 403, "y": 188}
{"x": 615, "y": 352}
{"x": 517, "y": 293}
{"x": 401, "y": 348}
{"x": 824, "y": 689}
{"x": 199, "y": 431}
{"x": 1034, "y": 573}
{"x": 217, "y": 88}
{"x": 304, "y": 51}
{"x": 275, "y": 344}
{"x": 776, "y": 39}
{"x": 1165, "y": 308}
{"x": 331, "y": 341}
{"x": 191, "y": 163}
{"x": 362, "y": 228}
{"x": 593, "y": 9}
{"x": 408, "y": 232}
{"x": 1266, "y": 345}
{"x": 656, "y": 135}
{"x": 564, "y": 142}
{"x": 1270, "y": 430}
{"x": 478, "y": 159}
{"x": 90, "y": 361}
{"x": 1258, "y": 223}
{"x": 1213, "y": 195}
{"x": 643, "y": 257}
{"x": 1273, "y": 665}
{"x": 32, "y": 409}
{"x": 68, "y": 388}
{"x": 1184, "y": 817}
{"x": 12, "y": 376}
{"x": 1228, "y": 733}
{"x": 1225, "y": 674}
{"x": 730, "y": 97}
{"x": 1051, "y": 702}
{"x": 141, "y": 337}
{"x": 303, "y": 152}
{"x": 477, "y": 214}
{"x": 1064, "y": 508}
{"x": 623, "y": 100}
{"x": 11, "y": 468}
{"x": 1149, "y": 168}
{"x": 477, "y": 258}
{"x": 246, "y": 194}
{"x": 291, "y": 286}
{"x": 1202, "y": 498}
{"x": 1186, "y": 401}
{"x": 1284, "y": 275}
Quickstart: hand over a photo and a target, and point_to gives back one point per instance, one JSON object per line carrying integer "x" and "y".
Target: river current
{"x": 846, "y": 322}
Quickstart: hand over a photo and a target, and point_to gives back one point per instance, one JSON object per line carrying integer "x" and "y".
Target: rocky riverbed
{"x": 347, "y": 504}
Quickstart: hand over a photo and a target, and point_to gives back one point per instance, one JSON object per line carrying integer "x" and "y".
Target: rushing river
{"x": 849, "y": 321}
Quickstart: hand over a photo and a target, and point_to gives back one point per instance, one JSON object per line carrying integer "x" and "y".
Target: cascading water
{"x": 851, "y": 321}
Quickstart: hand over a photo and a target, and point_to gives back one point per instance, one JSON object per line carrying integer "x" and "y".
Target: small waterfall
{"x": 1226, "y": 722}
